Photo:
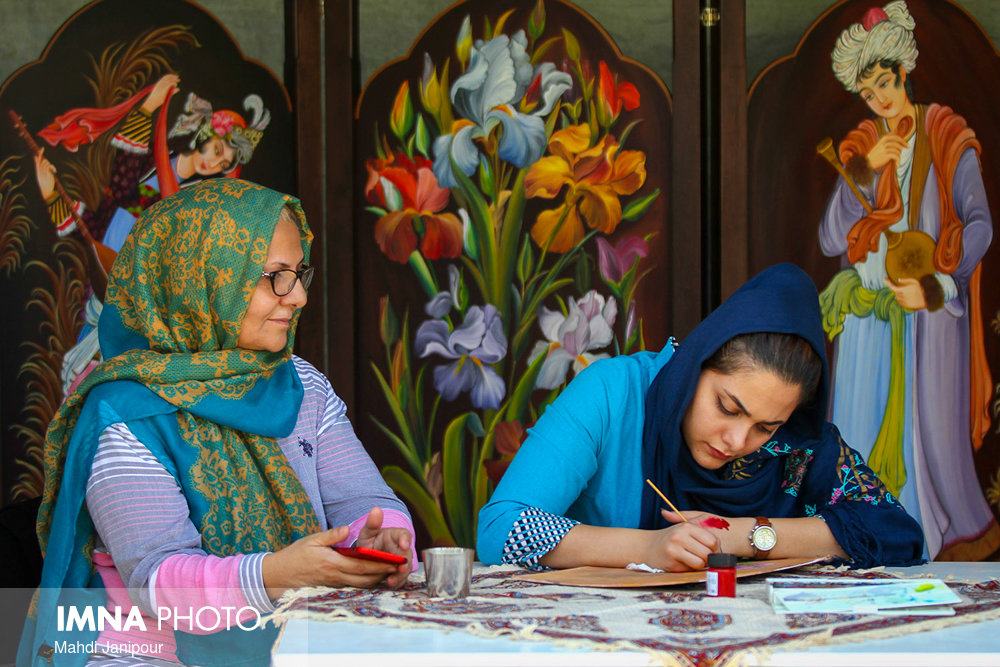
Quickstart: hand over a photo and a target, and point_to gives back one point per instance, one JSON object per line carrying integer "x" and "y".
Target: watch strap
{"x": 759, "y": 554}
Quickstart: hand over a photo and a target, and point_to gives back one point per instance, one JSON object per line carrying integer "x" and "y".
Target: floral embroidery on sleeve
{"x": 796, "y": 465}
{"x": 857, "y": 481}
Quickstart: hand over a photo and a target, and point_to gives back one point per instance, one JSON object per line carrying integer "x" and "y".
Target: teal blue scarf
{"x": 207, "y": 410}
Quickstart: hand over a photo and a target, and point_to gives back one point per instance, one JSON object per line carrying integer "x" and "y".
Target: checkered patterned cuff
{"x": 534, "y": 534}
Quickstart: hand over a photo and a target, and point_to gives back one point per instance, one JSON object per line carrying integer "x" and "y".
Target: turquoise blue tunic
{"x": 620, "y": 422}
{"x": 582, "y": 459}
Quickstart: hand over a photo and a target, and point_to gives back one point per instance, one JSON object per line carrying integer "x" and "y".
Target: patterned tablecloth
{"x": 680, "y": 625}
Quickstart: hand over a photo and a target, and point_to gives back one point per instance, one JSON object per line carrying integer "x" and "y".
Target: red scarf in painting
{"x": 81, "y": 126}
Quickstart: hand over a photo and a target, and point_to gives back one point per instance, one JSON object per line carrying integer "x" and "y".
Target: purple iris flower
{"x": 441, "y": 303}
{"x": 617, "y": 261}
{"x": 474, "y": 345}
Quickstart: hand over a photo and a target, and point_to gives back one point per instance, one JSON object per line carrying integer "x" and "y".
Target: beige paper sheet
{"x": 616, "y": 577}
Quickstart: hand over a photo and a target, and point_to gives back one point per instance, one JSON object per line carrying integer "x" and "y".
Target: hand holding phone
{"x": 365, "y": 553}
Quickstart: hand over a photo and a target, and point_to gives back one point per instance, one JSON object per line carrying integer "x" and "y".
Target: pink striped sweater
{"x": 149, "y": 552}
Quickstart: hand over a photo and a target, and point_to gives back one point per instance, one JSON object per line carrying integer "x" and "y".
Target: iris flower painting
{"x": 497, "y": 177}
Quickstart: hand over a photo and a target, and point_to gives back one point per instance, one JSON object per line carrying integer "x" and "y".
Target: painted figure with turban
{"x": 911, "y": 224}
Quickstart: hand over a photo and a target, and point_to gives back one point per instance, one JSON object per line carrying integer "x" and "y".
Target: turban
{"x": 884, "y": 34}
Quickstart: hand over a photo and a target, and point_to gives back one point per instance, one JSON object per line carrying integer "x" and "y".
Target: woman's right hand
{"x": 887, "y": 149}
{"x": 167, "y": 83}
{"x": 311, "y": 561}
{"x": 681, "y": 547}
{"x": 45, "y": 174}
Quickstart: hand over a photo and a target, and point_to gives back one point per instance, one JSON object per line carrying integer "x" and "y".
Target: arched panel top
{"x": 438, "y": 41}
{"x": 796, "y": 102}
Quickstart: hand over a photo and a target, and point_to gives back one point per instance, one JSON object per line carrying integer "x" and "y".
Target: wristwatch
{"x": 762, "y": 538}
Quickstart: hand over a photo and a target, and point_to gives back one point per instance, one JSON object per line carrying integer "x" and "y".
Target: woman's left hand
{"x": 392, "y": 540}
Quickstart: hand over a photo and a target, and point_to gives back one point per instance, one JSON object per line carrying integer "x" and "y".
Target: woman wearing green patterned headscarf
{"x": 202, "y": 467}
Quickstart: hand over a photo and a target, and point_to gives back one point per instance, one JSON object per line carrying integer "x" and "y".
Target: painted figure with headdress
{"x": 910, "y": 220}
{"x": 149, "y": 163}
{"x": 205, "y": 144}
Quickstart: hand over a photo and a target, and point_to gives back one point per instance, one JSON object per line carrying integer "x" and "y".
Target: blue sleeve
{"x": 556, "y": 461}
{"x": 865, "y": 518}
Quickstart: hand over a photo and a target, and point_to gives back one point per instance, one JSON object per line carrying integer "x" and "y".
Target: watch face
{"x": 764, "y": 538}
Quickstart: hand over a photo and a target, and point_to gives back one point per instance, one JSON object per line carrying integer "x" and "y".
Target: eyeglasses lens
{"x": 284, "y": 280}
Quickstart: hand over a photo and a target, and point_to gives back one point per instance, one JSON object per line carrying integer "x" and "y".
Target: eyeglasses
{"x": 283, "y": 280}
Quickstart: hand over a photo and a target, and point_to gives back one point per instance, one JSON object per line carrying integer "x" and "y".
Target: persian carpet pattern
{"x": 679, "y": 625}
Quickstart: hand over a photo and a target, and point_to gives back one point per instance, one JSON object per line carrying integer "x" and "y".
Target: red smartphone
{"x": 365, "y": 553}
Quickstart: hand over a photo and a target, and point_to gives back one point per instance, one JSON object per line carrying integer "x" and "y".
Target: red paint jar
{"x": 720, "y": 580}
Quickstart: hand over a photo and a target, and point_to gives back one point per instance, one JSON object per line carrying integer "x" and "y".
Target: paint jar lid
{"x": 721, "y": 560}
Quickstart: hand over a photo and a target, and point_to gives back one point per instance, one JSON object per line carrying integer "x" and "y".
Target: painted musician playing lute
{"x": 910, "y": 366}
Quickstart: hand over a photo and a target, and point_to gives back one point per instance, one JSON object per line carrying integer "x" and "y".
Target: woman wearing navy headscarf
{"x": 728, "y": 425}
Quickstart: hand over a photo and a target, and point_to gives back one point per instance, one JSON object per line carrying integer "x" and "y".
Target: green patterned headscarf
{"x": 208, "y": 410}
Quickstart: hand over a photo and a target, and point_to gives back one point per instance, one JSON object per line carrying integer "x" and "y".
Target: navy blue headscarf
{"x": 798, "y": 473}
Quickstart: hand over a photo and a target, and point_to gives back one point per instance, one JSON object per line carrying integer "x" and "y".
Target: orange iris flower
{"x": 409, "y": 190}
{"x": 596, "y": 176}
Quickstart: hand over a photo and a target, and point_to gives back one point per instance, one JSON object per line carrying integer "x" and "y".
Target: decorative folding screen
{"x": 511, "y": 229}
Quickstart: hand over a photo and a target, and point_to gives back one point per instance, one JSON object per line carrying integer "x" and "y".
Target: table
{"x": 308, "y": 641}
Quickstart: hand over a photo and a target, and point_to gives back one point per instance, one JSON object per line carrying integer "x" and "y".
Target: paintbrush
{"x": 666, "y": 500}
